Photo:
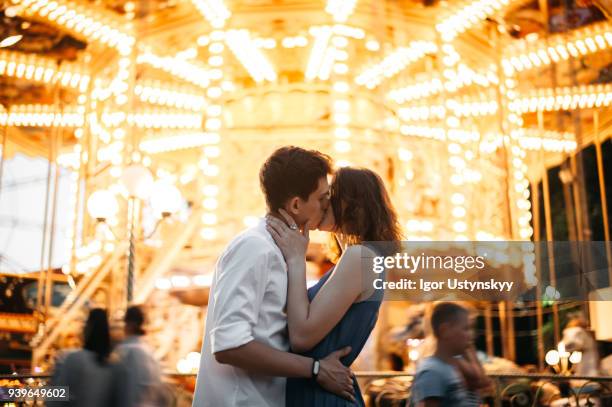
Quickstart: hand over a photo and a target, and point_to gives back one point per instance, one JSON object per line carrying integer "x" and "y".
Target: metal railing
{"x": 391, "y": 388}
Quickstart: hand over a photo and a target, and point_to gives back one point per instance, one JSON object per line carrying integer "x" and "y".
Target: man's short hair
{"x": 292, "y": 171}
{"x": 135, "y": 316}
{"x": 446, "y": 312}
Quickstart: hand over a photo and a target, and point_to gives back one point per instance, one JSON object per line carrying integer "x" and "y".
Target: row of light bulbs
{"x": 95, "y": 24}
{"x": 529, "y": 139}
{"x": 39, "y": 115}
{"x": 451, "y": 80}
{"x": 525, "y": 54}
{"x": 163, "y": 94}
{"x": 214, "y": 11}
{"x": 394, "y": 62}
{"x": 467, "y": 16}
{"x": 188, "y": 71}
{"x": 537, "y": 139}
{"x": 209, "y": 163}
{"x": 249, "y": 55}
{"x": 165, "y": 119}
{"x": 340, "y": 10}
{"x": 457, "y": 108}
{"x": 40, "y": 69}
{"x": 566, "y": 98}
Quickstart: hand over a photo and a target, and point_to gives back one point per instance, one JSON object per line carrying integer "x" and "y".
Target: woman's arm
{"x": 310, "y": 322}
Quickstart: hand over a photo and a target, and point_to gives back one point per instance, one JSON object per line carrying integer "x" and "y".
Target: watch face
{"x": 316, "y": 367}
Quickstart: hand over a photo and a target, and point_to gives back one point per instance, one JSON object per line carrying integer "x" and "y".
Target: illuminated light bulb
{"x": 201, "y": 280}
{"x": 340, "y": 69}
{"x": 210, "y": 203}
{"x": 10, "y": 41}
{"x": 211, "y": 170}
{"x": 208, "y": 233}
{"x": 456, "y": 179}
{"x": 457, "y": 199}
{"x": 288, "y": 42}
{"x": 214, "y": 92}
{"x": 342, "y": 146}
{"x": 209, "y": 219}
{"x": 210, "y": 190}
{"x": 102, "y": 204}
{"x": 213, "y": 124}
{"x": 372, "y": 45}
{"x": 180, "y": 281}
{"x": 458, "y": 212}
{"x": 404, "y": 155}
{"x": 163, "y": 284}
{"x": 339, "y": 42}
{"x": 459, "y": 226}
{"x": 165, "y": 198}
{"x": 341, "y": 87}
{"x": 341, "y": 119}
{"x": 214, "y": 110}
{"x": 342, "y": 132}
{"x": 575, "y": 357}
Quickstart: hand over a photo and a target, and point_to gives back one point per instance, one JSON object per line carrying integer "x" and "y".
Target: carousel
{"x": 132, "y": 133}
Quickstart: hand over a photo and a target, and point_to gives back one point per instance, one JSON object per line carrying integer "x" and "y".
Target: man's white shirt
{"x": 247, "y": 302}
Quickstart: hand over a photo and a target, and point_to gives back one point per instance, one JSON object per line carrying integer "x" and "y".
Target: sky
{"x": 22, "y": 205}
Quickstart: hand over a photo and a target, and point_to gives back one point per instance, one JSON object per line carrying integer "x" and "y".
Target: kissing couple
{"x": 269, "y": 340}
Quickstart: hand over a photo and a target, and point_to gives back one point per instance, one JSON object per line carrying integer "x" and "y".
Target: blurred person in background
{"x": 92, "y": 375}
{"x": 143, "y": 384}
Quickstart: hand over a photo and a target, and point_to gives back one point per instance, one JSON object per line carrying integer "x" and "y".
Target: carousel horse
{"x": 576, "y": 338}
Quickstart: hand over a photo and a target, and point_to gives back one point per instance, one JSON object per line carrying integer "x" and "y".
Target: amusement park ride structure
{"x": 459, "y": 110}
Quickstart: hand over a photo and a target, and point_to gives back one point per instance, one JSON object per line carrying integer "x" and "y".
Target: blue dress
{"x": 352, "y": 330}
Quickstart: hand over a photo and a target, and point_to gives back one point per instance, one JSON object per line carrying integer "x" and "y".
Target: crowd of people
{"x": 101, "y": 375}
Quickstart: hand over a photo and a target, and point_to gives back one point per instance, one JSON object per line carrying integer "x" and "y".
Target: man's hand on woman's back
{"x": 335, "y": 377}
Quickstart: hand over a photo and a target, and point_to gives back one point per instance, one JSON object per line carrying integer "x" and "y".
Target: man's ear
{"x": 443, "y": 329}
{"x": 293, "y": 206}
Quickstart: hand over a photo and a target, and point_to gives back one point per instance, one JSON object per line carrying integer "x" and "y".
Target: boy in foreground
{"x": 451, "y": 376}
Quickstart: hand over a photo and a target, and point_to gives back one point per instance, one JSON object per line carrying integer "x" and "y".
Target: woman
{"x": 342, "y": 308}
{"x": 92, "y": 379}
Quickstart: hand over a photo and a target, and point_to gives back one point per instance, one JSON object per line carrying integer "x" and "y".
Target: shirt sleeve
{"x": 427, "y": 384}
{"x": 242, "y": 276}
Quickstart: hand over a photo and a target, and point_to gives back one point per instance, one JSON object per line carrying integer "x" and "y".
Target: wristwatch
{"x": 315, "y": 368}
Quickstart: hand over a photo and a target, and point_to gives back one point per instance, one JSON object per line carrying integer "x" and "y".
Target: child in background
{"x": 452, "y": 375}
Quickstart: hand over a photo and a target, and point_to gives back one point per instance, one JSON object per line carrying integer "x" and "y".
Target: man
{"x": 245, "y": 357}
{"x": 453, "y": 375}
{"x": 143, "y": 385}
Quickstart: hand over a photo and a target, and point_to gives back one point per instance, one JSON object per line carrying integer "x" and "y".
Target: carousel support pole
{"x": 131, "y": 249}
{"x": 511, "y": 333}
{"x": 503, "y": 325}
{"x": 133, "y": 203}
{"x": 506, "y": 317}
{"x": 4, "y": 142}
{"x": 42, "y": 273}
{"x": 585, "y": 264}
{"x": 602, "y": 195}
{"x": 535, "y": 193}
{"x": 549, "y": 237}
{"x": 56, "y": 142}
{"x": 489, "y": 328}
